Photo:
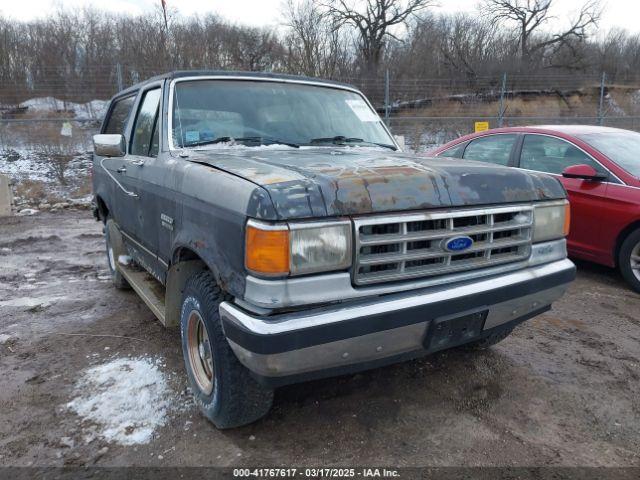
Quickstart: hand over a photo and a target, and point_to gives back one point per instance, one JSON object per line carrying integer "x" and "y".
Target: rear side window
{"x": 455, "y": 152}
{"x": 119, "y": 115}
{"x": 144, "y": 139}
{"x": 552, "y": 155}
{"x": 493, "y": 149}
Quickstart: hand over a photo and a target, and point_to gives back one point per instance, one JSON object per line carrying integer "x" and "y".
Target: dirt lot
{"x": 563, "y": 390}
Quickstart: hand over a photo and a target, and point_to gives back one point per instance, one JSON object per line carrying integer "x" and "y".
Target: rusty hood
{"x": 319, "y": 182}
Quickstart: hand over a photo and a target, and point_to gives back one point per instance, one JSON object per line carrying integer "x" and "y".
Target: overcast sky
{"x": 617, "y": 13}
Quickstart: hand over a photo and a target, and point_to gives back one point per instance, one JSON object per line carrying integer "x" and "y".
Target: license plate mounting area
{"x": 449, "y": 332}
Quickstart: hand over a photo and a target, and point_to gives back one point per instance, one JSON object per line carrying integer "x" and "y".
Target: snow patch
{"x": 124, "y": 260}
{"x": 126, "y": 399}
{"x": 95, "y": 109}
{"x": 613, "y": 107}
{"x": 242, "y": 147}
{"x": 30, "y": 301}
{"x": 279, "y": 146}
{"x": 21, "y": 163}
{"x": 27, "y": 212}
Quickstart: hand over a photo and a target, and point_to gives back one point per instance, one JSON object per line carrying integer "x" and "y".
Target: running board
{"x": 148, "y": 289}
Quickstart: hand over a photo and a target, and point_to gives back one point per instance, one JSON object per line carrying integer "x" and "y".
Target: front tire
{"x": 629, "y": 260}
{"x": 116, "y": 277}
{"x": 223, "y": 388}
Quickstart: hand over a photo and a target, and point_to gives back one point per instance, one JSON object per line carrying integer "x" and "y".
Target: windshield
{"x": 622, "y": 147}
{"x": 252, "y": 113}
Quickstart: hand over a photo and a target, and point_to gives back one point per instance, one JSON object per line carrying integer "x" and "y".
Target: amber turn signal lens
{"x": 567, "y": 219}
{"x": 267, "y": 251}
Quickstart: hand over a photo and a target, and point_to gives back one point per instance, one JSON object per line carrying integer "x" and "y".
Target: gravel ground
{"x": 562, "y": 390}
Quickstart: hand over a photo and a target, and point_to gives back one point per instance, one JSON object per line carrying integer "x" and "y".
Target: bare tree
{"x": 468, "y": 46}
{"x": 82, "y": 55}
{"x": 373, "y": 22}
{"x": 530, "y": 17}
{"x": 316, "y": 46}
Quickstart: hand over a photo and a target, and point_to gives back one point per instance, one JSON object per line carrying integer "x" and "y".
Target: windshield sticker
{"x": 362, "y": 110}
{"x": 192, "y": 136}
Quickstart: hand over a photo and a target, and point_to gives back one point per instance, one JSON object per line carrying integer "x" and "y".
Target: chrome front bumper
{"x": 365, "y": 333}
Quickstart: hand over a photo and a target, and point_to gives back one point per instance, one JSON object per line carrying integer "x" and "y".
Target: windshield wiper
{"x": 342, "y": 140}
{"x": 257, "y": 139}
{"x": 208, "y": 142}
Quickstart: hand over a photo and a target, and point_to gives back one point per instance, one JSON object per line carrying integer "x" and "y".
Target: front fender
{"x": 221, "y": 249}
{"x": 213, "y": 209}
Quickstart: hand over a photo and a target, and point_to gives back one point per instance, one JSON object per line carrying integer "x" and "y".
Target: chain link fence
{"x": 54, "y": 117}
{"x": 429, "y": 113}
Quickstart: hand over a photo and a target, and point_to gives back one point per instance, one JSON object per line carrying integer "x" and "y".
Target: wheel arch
{"x": 624, "y": 233}
{"x": 103, "y": 209}
{"x": 185, "y": 262}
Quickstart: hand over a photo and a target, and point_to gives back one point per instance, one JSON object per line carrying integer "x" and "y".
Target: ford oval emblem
{"x": 458, "y": 244}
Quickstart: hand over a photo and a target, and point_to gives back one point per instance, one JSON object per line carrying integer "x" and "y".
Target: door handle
{"x": 122, "y": 169}
{"x": 108, "y": 172}
{"x": 138, "y": 163}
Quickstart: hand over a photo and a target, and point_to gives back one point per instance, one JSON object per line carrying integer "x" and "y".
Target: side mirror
{"x": 109, "y": 145}
{"x": 584, "y": 172}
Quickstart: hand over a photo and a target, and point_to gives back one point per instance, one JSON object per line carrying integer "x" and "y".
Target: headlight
{"x": 551, "y": 221}
{"x": 317, "y": 248}
{"x": 297, "y": 248}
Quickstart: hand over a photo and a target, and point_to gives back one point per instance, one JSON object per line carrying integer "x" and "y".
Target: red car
{"x": 599, "y": 167}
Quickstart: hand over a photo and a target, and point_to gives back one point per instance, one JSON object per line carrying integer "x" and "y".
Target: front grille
{"x": 399, "y": 247}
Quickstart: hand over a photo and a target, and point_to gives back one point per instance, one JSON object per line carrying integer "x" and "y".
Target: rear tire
{"x": 488, "y": 341}
{"x": 223, "y": 388}
{"x": 116, "y": 277}
{"x": 629, "y": 259}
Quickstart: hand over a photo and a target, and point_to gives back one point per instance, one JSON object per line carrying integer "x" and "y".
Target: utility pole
{"x": 386, "y": 97}
{"x": 164, "y": 13}
{"x": 119, "y": 77}
{"x": 502, "y": 93}
{"x": 601, "y": 103}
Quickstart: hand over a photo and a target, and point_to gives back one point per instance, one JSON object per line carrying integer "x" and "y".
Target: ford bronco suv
{"x": 275, "y": 220}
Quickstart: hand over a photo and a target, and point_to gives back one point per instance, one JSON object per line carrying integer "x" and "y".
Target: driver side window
{"x": 552, "y": 155}
{"x": 118, "y": 115}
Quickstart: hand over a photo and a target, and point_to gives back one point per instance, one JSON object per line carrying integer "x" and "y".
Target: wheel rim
{"x": 635, "y": 260}
{"x": 199, "y": 350}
